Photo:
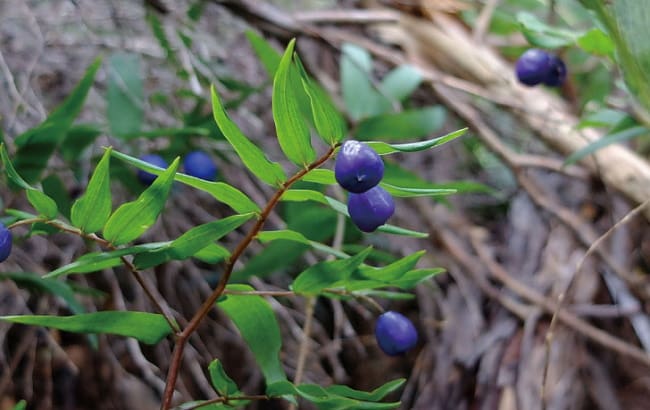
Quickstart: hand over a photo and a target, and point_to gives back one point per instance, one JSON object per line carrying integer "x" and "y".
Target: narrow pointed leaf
{"x": 35, "y": 147}
{"x": 43, "y": 204}
{"x": 132, "y": 219}
{"x": 291, "y": 128}
{"x": 91, "y": 211}
{"x": 124, "y": 94}
{"x": 269, "y": 56}
{"x": 259, "y": 327}
{"x": 251, "y": 155}
{"x": 191, "y": 242}
{"x": 401, "y": 82}
{"x": 328, "y": 274}
{"x": 394, "y": 270}
{"x": 52, "y": 286}
{"x": 221, "y": 191}
{"x": 95, "y": 261}
{"x": 221, "y": 382}
{"x": 329, "y": 123}
{"x": 384, "y": 148}
{"x": 416, "y": 192}
{"x": 609, "y": 139}
{"x": 148, "y": 328}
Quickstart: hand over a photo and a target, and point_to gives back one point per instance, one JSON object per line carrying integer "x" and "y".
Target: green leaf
{"x": 222, "y": 192}
{"x": 37, "y": 145}
{"x": 416, "y": 192}
{"x": 95, "y": 261}
{"x": 328, "y": 274}
{"x": 77, "y": 139}
{"x": 602, "y": 118}
{"x": 54, "y": 187}
{"x": 212, "y": 254}
{"x": 406, "y": 124}
{"x": 301, "y": 195}
{"x": 375, "y": 395}
{"x": 54, "y": 287}
{"x": 392, "y": 271}
{"x": 595, "y": 41}
{"x": 411, "y": 278}
{"x": 630, "y": 35}
{"x": 124, "y": 94}
{"x": 269, "y": 57}
{"x": 191, "y": 242}
{"x": 132, "y": 219}
{"x": 337, "y": 397}
{"x": 222, "y": 384}
{"x": 293, "y": 133}
{"x": 329, "y": 123}
{"x": 294, "y": 236}
{"x": 541, "y": 34}
{"x": 383, "y": 148}
{"x": 90, "y": 212}
{"x": 361, "y": 99}
{"x": 608, "y": 139}
{"x": 148, "y": 328}
{"x": 258, "y": 325}
{"x": 401, "y": 82}
{"x": 320, "y": 176}
{"x": 43, "y": 204}
{"x": 21, "y": 405}
{"x": 250, "y": 154}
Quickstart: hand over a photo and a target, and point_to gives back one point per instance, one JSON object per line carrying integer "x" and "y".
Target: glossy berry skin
{"x": 5, "y": 242}
{"x": 557, "y": 72}
{"x": 199, "y": 164}
{"x": 371, "y": 209}
{"x": 154, "y": 159}
{"x": 533, "y": 67}
{"x": 358, "y": 167}
{"x": 395, "y": 333}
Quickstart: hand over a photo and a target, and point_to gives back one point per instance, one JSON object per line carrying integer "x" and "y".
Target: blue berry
{"x": 145, "y": 177}
{"x": 533, "y": 66}
{"x": 371, "y": 209}
{"x": 557, "y": 72}
{"x": 395, "y": 333}
{"x": 5, "y": 242}
{"x": 358, "y": 167}
{"x": 199, "y": 164}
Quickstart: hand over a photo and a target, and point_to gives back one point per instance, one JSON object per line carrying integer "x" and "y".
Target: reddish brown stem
{"x": 207, "y": 305}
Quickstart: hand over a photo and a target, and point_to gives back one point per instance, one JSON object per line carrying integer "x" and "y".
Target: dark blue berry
{"x": 395, "y": 333}
{"x": 533, "y": 66}
{"x": 145, "y": 177}
{"x": 371, "y": 209}
{"x": 199, "y": 164}
{"x": 358, "y": 167}
{"x": 557, "y": 72}
{"x": 5, "y": 242}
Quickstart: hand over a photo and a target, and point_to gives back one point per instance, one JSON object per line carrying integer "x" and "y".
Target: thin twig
{"x": 562, "y": 297}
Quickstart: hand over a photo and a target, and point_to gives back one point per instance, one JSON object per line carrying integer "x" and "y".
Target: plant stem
{"x": 207, "y": 305}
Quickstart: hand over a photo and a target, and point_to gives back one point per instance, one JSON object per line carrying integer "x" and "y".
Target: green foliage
{"x": 300, "y": 107}
{"x": 90, "y": 212}
{"x": 36, "y": 145}
{"x": 132, "y": 219}
{"x": 292, "y": 130}
{"x": 124, "y": 95}
{"x": 257, "y": 324}
{"x": 146, "y": 327}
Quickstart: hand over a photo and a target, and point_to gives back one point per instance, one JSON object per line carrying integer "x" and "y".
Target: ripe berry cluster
{"x": 359, "y": 169}
{"x": 198, "y": 164}
{"x": 537, "y": 66}
{"x": 5, "y": 242}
